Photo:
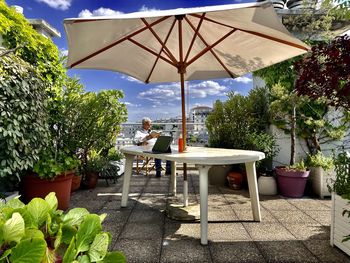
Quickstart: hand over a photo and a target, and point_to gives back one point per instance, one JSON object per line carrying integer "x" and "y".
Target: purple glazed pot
{"x": 291, "y": 183}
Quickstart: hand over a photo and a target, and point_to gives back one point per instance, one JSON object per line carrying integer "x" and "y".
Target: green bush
{"x": 23, "y": 121}
{"x": 319, "y": 160}
{"x": 38, "y": 232}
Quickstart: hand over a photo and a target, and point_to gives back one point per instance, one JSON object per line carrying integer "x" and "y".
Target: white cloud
{"x": 99, "y": 12}
{"x": 147, "y": 9}
{"x": 57, "y": 4}
{"x": 129, "y": 104}
{"x": 167, "y": 93}
{"x": 244, "y": 79}
{"x": 64, "y": 52}
{"x": 131, "y": 79}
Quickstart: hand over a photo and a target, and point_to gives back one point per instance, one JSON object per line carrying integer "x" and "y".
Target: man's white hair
{"x": 146, "y": 120}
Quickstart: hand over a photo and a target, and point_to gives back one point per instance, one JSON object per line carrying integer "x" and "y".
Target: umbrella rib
{"x": 165, "y": 41}
{"x": 256, "y": 33}
{"x": 164, "y": 47}
{"x": 212, "y": 51}
{"x": 194, "y": 35}
{"x": 151, "y": 51}
{"x": 209, "y": 47}
{"x": 117, "y": 42}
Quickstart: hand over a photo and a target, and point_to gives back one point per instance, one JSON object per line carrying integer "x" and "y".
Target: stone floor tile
{"x": 285, "y": 251}
{"x": 138, "y": 250}
{"x": 304, "y": 232}
{"x": 175, "y": 230}
{"x": 117, "y": 216}
{"x": 241, "y": 204}
{"x": 293, "y": 216}
{"x": 220, "y": 215}
{"x": 146, "y": 216}
{"x": 235, "y": 252}
{"x": 183, "y": 251}
{"x": 142, "y": 231}
{"x": 325, "y": 253}
{"x": 323, "y": 217}
{"x": 308, "y": 204}
{"x": 278, "y": 204}
{"x": 247, "y": 215}
{"x": 268, "y": 231}
{"x": 227, "y": 232}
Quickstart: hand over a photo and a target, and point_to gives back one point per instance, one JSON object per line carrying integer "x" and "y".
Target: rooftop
{"x": 292, "y": 230}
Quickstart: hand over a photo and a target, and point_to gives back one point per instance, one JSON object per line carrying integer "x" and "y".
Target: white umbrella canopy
{"x": 224, "y": 41}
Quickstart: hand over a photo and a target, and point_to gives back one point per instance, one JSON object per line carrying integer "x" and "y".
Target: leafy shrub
{"x": 23, "y": 121}
{"x": 341, "y": 184}
{"x": 299, "y": 166}
{"x": 319, "y": 160}
{"x": 39, "y": 232}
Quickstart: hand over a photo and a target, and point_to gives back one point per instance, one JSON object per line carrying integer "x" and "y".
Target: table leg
{"x": 203, "y": 192}
{"x": 173, "y": 178}
{"x": 185, "y": 195}
{"x": 253, "y": 190}
{"x": 127, "y": 176}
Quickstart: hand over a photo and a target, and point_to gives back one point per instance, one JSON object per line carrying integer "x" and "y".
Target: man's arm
{"x": 140, "y": 138}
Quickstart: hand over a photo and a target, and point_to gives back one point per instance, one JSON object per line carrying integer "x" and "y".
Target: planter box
{"x": 319, "y": 179}
{"x": 340, "y": 225}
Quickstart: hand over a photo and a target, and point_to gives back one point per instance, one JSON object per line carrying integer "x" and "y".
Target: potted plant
{"x": 39, "y": 232}
{"x": 51, "y": 174}
{"x": 292, "y": 179}
{"x": 340, "y": 188}
{"x": 321, "y": 171}
{"x": 94, "y": 165}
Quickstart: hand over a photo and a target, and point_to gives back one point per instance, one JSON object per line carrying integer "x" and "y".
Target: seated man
{"x": 146, "y": 136}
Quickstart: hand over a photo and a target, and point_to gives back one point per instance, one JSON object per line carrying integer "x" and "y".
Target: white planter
{"x": 340, "y": 225}
{"x": 319, "y": 179}
{"x": 267, "y": 185}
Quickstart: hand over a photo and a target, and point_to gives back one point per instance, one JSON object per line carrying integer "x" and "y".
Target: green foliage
{"x": 38, "y": 232}
{"x": 92, "y": 120}
{"x": 341, "y": 184}
{"x": 23, "y": 121}
{"x": 38, "y": 50}
{"x": 241, "y": 123}
{"x": 320, "y": 160}
{"x": 299, "y": 166}
{"x": 96, "y": 161}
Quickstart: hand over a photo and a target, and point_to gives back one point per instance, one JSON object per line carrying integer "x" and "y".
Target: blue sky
{"x": 141, "y": 99}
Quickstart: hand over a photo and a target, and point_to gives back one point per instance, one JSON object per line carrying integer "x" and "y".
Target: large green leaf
{"x": 13, "y": 229}
{"x": 29, "y": 251}
{"x": 33, "y": 233}
{"x": 49, "y": 256}
{"x": 114, "y": 257}
{"x": 69, "y": 256}
{"x": 68, "y": 233}
{"x": 51, "y": 199}
{"x": 75, "y": 216}
{"x": 84, "y": 259}
{"x": 99, "y": 247}
{"x": 39, "y": 209}
{"x": 15, "y": 203}
{"x": 87, "y": 231}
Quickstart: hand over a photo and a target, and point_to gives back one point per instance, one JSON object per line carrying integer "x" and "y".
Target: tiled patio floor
{"x": 292, "y": 230}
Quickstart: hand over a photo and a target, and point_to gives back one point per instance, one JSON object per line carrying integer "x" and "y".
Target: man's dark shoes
{"x": 158, "y": 174}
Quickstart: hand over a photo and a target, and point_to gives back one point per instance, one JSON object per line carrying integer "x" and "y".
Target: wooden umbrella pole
{"x": 181, "y": 67}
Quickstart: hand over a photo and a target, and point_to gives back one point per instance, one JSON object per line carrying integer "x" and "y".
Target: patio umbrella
{"x": 224, "y": 41}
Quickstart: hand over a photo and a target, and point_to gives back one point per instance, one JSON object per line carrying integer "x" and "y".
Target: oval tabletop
{"x": 199, "y": 155}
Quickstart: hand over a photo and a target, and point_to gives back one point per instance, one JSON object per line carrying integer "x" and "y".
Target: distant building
{"x": 198, "y": 116}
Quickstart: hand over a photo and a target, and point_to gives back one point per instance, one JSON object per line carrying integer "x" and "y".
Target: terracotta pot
{"x": 33, "y": 186}
{"x": 90, "y": 180}
{"x": 235, "y": 180}
{"x": 76, "y": 180}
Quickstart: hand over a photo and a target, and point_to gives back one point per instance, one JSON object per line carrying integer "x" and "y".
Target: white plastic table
{"x": 203, "y": 158}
